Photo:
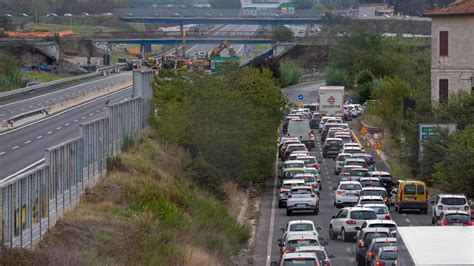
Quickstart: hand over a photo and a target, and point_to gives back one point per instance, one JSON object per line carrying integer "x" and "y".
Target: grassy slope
{"x": 44, "y": 76}
{"x": 144, "y": 212}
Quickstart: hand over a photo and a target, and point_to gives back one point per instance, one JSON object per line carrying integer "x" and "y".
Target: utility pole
{"x": 36, "y": 16}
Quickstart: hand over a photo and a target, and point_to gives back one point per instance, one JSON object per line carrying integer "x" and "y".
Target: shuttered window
{"x": 443, "y": 43}
{"x": 443, "y": 91}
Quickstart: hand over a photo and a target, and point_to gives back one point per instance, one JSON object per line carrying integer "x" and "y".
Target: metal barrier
{"x": 33, "y": 201}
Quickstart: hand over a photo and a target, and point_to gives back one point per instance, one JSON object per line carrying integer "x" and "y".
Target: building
{"x": 267, "y": 7}
{"x": 375, "y": 10}
{"x": 452, "y": 49}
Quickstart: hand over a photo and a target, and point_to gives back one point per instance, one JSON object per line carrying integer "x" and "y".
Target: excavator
{"x": 203, "y": 60}
{"x": 216, "y": 51}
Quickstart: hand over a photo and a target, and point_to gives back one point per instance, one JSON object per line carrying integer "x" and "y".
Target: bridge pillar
{"x": 144, "y": 49}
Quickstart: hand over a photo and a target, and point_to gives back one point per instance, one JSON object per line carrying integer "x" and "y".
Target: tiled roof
{"x": 458, "y": 8}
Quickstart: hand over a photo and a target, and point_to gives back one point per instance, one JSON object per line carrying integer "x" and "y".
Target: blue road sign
{"x": 351, "y": 100}
{"x": 300, "y": 97}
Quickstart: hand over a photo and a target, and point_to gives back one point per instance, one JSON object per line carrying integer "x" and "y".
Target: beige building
{"x": 452, "y": 49}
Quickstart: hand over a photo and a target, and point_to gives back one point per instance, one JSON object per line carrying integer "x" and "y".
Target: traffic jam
{"x": 322, "y": 163}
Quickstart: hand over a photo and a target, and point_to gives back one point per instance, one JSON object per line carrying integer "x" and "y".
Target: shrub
{"x": 289, "y": 74}
{"x": 338, "y": 77}
{"x": 282, "y": 34}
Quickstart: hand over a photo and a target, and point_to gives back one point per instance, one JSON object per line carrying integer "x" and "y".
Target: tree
{"x": 433, "y": 150}
{"x": 338, "y": 77}
{"x": 364, "y": 80}
{"x": 282, "y": 34}
{"x": 290, "y": 73}
{"x": 225, "y": 4}
{"x": 10, "y": 73}
{"x": 320, "y": 8}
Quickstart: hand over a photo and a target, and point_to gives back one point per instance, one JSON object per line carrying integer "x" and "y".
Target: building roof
{"x": 458, "y": 8}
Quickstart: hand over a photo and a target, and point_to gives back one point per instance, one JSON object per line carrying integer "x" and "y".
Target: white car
{"x": 296, "y": 258}
{"x": 296, "y": 240}
{"x": 310, "y": 180}
{"x": 381, "y": 210}
{"x": 347, "y": 193}
{"x": 345, "y": 222}
{"x": 448, "y": 202}
{"x": 370, "y": 200}
{"x": 300, "y": 226}
{"x": 340, "y": 160}
{"x": 302, "y": 198}
{"x": 351, "y": 144}
{"x": 390, "y": 224}
{"x": 285, "y": 189}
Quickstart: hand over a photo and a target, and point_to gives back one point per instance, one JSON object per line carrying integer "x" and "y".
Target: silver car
{"x": 285, "y": 189}
{"x": 386, "y": 256}
{"x": 345, "y": 222}
{"x": 340, "y": 160}
{"x": 302, "y": 198}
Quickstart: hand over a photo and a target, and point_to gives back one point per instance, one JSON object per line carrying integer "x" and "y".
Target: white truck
{"x": 331, "y": 100}
{"x": 435, "y": 245}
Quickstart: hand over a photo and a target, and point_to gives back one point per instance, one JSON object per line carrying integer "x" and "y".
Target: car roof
{"x": 300, "y": 222}
{"x": 294, "y": 161}
{"x": 379, "y": 173}
{"x": 333, "y": 139}
{"x": 369, "y": 178}
{"x": 375, "y": 205}
{"x": 374, "y": 188}
{"x": 293, "y": 181}
{"x": 369, "y": 222}
{"x": 352, "y": 166}
{"x": 294, "y": 169}
{"x": 295, "y": 255}
{"x": 310, "y": 249}
{"x": 360, "y": 169}
{"x": 452, "y": 195}
{"x": 296, "y": 144}
{"x": 384, "y": 239}
{"x": 355, "y": 160}
{"x": 349, "y": 182}
{"x": 298, "y": 187}
{"x": 371, "y": 197}
{"x": 302, "y": 235}
{"x": 344, "y": 154}
{"x": 376, "y": 229}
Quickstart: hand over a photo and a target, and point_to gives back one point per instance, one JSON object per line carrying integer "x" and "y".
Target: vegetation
{"x": 44, "y": 76}
{"x": 227, "y": 123}
{"x": 10, "y": 73}
{"x": 338, "y": 77}
{"x": 282, "y": 34}
{"x": 289, "y": 73}
{"x": 394, "y": 72}
{"x": 146, "y": 211}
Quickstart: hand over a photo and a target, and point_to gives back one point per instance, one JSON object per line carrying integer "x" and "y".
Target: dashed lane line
{"x": 16, "y": 147}
{"x": 49, "y": 132}
{"x": 28, "y": 141}
{"x": 348, "y": 249}
{"x": 2, "y": 153}
{"x": 39, "y": 137}
{"x": 58, "y": 128}
{"x": 83, "y": 117}
{"x": 76, "y": 120}
{"x": 67, "y": 124}
{"x": 407, "y": 220}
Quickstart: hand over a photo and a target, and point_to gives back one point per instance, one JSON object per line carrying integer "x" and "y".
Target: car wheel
{"x": 288, "y": 212}
{"x": 344, "y": 236}
{"x": 433, "y": 220}
{"x": 331, "y": 233}
{"x": 399, "y": 210}
{"x": 424, "y": 211}
{"x": 280, "y": 205}
{"x": 316, "y": 211}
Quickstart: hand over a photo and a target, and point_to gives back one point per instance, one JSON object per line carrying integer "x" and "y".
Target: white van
{"x": 300, "y": 128}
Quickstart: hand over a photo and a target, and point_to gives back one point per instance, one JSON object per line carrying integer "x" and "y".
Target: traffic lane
{"x": 206, "y": 47}
{"x": 12, "y": 108}
{"x": 309, "y": 90}
{"x": 26, "y": 145}
{"x": 344, "y": 252}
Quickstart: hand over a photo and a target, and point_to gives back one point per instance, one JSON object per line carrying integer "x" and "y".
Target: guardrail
{"x": 100, "y": 71}
{"x": 32, "y": 200}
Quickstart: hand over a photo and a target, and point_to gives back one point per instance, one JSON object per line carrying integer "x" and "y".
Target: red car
{"x": 454, "y": 218}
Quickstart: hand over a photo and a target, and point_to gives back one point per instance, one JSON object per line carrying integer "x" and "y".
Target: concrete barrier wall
{"x": 33, "y": 201}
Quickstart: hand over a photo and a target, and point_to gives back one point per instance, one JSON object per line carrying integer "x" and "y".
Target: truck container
{"x": 435, "y": 245}
{"x": 331, "y": 100}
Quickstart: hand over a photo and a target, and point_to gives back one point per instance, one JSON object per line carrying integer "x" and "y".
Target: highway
{"x": 19, "y": 104}
{"x": 272, "y": 219}
{"x": 25, "y": 145}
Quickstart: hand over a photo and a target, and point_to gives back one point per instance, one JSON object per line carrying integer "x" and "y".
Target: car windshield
{"x": 299, "y": 262}
{"x": 457, "y": 218}
{"x": 301, "y": 191}
{"x": 355, "y": 163}
{"x": 350, "y": 187}
{"x": 294, "y": 165}
{"x": 385, "y": 177}
{"x": 389, "y": 226}
{"x": 370, "y": 183}
{"x": 309, "y": 179}
{"x": 375, "y": 235}
{"x": 301, "y": 227}
{"x": 311, "y": 171}
{"x": 379, "y": 210}
{"x": 378, "y": 245}
{"x": 357, "y": 172}
{"x": 343, "y": 157}
{"x": 388, "y": 255}
{"x": 453, "y": 201}
{"x": 297, "y": 148}
{"x": 293, "y": 244}
{"x": 363, "y": 215}
{"x": 321, "y": 255}
{"x": 291, "y": 174}
{"x": 352, "y": 151}
{"x": 288, "y": 186}
{"x": 371, "y": 201}
{"x": 309, "y": 160}
{"x": 410, "y": 190}
{"x": 382, "y": 193}
{"x": 333, "y": 142}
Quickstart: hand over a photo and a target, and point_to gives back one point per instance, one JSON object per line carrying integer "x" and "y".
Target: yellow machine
{"x": 153, "y": 63}
{"x": 219, "y": 48}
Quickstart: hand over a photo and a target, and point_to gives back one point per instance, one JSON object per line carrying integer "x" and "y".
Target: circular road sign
{"x": 300, "y": 97}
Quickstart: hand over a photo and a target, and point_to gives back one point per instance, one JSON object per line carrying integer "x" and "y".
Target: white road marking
{"x": 2, "y": 153}
{"x": 404, "y": 214}
{"x": 39, "y": 137}
{"x": 58, "y": 128}
{"x": 348, "y": 249}
{"x": 16, "y": 147}
{"x": 91, "y": 114}
{"x": 103, "y": 108}
{"x": 352, "y": 259}
{"x": 2, "y": 114}
{"x": 31, "y": 106}
{"x": 272, "y": 219}
{"x": 97, "y": 111}
{"x": 408, "y": 220}
{"x": 83, "y": 117}
{"x": 28, "y": 141}
{"x": 49, "y": 132}
{"x": 22, "y": 109}
{"x": 67, "y": 124}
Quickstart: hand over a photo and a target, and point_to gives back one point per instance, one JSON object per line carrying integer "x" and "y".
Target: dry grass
{"x": 145, "y": 213}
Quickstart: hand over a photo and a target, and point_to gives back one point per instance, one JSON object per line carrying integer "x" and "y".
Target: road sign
{"x": 378, "y": 145}
{"x": 377, "y": 135}
{"x": 364, "y": 131}
{"x": 351, "y": 100}
{"x": 300, "y": 97}
{"x": 427, "y": 130}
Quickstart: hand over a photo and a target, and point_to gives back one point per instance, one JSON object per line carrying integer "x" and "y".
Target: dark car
{"x": 315, "y": 119}
{"x": 364, "y": 240}
{"x": 332, "y": 147}
{"x": 376, "y": 244}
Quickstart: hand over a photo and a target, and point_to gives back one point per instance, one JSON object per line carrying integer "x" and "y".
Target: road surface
{"x": 25, "y": 145}
{"x": 272, "y": 219}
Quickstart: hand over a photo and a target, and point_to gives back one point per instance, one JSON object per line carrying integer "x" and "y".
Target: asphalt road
{"x": 272, "y": 219}
{"x": 16, "y": 105}
{"x": 25, "y": 145}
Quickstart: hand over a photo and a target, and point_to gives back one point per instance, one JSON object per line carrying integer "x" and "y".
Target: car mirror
{"x": 357, "y": 228}
{"x": 333, "y": 217}
{"x": 332, "y": 256}
{"x": 280, "y": 244}
{"x": 318, "y": 229}
{"x": 283, "y": 229}
{"x": 279, "y": 240}
{"x": 432, "y": 202}
{"x": 334, "y": 158}
{"x": 334, "y": 188}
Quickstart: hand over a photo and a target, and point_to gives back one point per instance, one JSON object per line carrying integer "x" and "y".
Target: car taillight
{"x": 315, "y": 185}
{"x": 340, "y": 192}
{"x": 370, "y": 254}
{"x": 387, "y": 217}
{"x": 287, "y": 151}
{"x": 283, "y": 190}
{"x": 328, "y": 263}
{"x": 344, "y": 174}
{"x": 379, "y": 263}
{"x": 361, "y": 243}
{"x": 444, "y": 222}
{"x": 466, "y": 208}
{"x": 313, "y": 195}
{"x": 350, "y": 222}
{"x": 311, "y": 136}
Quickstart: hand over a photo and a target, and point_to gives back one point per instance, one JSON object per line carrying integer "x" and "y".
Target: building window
{"x": 443, "y": 91}
{"x": 443, "y": 43}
